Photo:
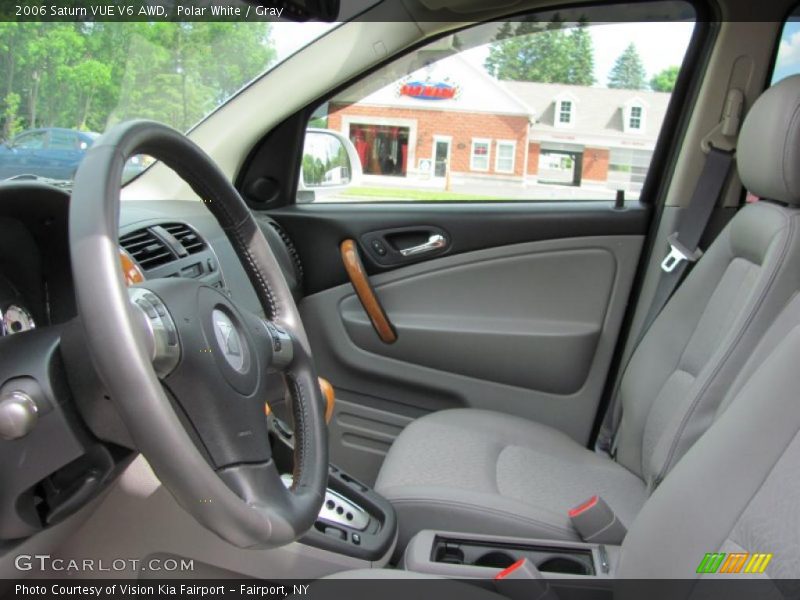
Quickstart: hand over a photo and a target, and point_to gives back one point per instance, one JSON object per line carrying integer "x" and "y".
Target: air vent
{"x": 146, "y": 249}
{"x": 187, "y": 236}
{"x": 290, "y": 247}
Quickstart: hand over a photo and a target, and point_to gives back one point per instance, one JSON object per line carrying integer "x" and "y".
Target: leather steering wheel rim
{"x": 251, "y": 516}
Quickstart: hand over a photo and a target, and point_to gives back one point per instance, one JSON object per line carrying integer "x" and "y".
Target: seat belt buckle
{"x": 596, "y": 523}
{"x": 523, "y": 581}
{"x": 678, "y": 253}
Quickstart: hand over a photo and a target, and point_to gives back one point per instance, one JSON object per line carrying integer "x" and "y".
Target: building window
{"x": 634, "y": 114}
{"x": 479, "y": 159}
{"x": 504, "y": 160}
{"x": 382, "y": 149}
{"x": 635, "y": 119}
{"x": 565, "y": 112}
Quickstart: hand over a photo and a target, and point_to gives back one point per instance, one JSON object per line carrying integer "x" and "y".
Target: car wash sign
{"x": 429, "y": 90}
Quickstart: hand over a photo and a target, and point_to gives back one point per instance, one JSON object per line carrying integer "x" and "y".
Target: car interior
{"x": 283, "y": 374}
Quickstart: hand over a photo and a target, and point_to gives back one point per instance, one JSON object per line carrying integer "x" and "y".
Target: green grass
{"x": 401, "y": 194}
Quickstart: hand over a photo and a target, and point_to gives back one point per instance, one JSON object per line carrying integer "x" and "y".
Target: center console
{"x": 570, "y": 570}
{"x": 354, "y": 520}
{"x": 474, "y": 555}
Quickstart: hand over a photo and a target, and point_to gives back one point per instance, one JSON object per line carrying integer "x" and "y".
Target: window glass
{"x": 537, "y": 109}
{"x": 788, "y": 60}
{"x": 63, "y": 140}
{"x": 565, "y": 114}
{"x": 635, "y": 121}
{"x": 75, "y": 79}
{"x": 506, "y": 152}
{"x": 480, "y": 155}
{"x": 31, "y": 141}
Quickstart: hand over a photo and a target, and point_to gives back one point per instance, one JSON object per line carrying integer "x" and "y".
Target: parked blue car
{"x": 52, "y": 152}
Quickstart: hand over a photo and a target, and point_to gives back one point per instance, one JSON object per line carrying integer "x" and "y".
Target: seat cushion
{"x": 485, "y": 472}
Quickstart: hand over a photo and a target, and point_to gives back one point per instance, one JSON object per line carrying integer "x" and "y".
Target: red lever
{"x": 583, "y": 507}
{"x": 508, "y": 571}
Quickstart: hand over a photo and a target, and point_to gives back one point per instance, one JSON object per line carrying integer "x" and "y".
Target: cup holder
{"x": 564, "y": 565}
{"x": 490, "y": 555}
{"x": 495, "y": 560}
{"x": 452, "y": 555}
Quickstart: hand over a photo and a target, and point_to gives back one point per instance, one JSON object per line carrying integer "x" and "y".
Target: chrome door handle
{"x": 434, "y": 242}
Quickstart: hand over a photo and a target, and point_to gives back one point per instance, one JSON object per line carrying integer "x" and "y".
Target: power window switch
{"x": 378, "y": 247}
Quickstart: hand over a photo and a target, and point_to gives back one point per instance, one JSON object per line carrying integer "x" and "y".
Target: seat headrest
{"x": 768, "y": 152}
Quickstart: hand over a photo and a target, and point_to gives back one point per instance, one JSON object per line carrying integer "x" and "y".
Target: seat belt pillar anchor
{"x": 678, "y": 253}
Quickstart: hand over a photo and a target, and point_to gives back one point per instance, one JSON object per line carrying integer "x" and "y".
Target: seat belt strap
{"x": 684, "y": 243}
{"x": 684, "y": 250}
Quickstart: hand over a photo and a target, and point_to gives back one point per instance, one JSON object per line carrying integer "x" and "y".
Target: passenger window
{"x": 537, "y": 109}
{"x": 787, "y": 61}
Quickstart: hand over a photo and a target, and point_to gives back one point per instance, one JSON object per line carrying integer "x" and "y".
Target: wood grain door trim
{"x": 365, "y": 292}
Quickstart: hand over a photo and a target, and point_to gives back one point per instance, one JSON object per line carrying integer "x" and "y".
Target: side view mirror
{"x": 330, "y": 164}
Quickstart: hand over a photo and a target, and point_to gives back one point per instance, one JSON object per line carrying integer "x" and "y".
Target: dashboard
{"x": 157, "y": 239}
{"x": 35, "y": 273}
{"x": 80, "y": 442}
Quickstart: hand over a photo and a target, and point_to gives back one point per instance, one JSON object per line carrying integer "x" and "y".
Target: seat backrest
{"x": 676, "y": 379}
{"x": 736, "y": 490}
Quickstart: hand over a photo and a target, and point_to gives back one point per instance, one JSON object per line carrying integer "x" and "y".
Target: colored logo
{"x": 735, "y": 562}
{"x": 426, "y": 90}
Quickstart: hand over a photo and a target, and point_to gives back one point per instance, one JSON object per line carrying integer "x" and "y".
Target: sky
{"x": 659, "y": 44}
{"x": 289, "y": 37}
{"x": 788, "y": 62}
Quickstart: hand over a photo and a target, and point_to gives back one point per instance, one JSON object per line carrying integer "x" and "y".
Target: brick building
{"x": 453, "y": 120}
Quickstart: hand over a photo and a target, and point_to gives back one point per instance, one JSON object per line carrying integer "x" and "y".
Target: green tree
{"x": 89, "y": 75}
{"x": 546, "y": 53}
{"x": 628, "y": 72}
{"x": 12, "y": 124}
{"x": 664, "y": 81}
{"x": 529, "y": 52}
{"x": 580, "y": 50}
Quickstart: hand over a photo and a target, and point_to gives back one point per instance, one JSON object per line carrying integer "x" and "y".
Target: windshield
{"x": 63, "y": 84}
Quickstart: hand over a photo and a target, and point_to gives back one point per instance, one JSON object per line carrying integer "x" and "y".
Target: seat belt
{"x": 684, "y": 243}
{"x": 684, "y": 249}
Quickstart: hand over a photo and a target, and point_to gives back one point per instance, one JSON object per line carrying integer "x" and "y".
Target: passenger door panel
{"x": 521, "y": 319}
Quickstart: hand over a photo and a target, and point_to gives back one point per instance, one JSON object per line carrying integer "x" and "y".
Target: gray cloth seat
{"x": 735, "y": 490}
{"x": 486, "y": 472}
{"x": 479, "y": 471}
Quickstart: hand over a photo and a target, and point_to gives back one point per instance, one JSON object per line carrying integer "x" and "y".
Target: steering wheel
{"x": 185, "y": 366}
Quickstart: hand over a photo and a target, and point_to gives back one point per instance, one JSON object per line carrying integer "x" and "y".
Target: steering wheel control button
{"x": 356, "y": 539}
{"x": 148, "y": 309}
{"x": 159, "y": 329}
{"x": 282, "y": 349}
{"x": 18, "y": 415}
{"x": 172, "y": 333}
